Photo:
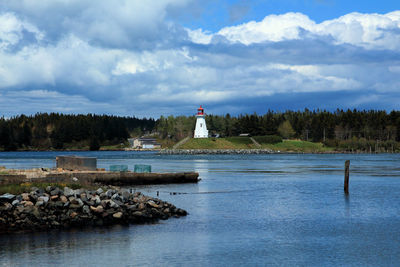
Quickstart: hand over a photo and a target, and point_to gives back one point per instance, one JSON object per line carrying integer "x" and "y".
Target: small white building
{"x": 201, "y": 128}
{"x": 144, "y": 143}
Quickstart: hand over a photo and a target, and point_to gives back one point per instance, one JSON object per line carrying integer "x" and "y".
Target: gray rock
{"x": 34, "y": 189}
{"x": 39, "y": 203}
{"x": 54, "y": 192}
{"x": 76, "y": 201}
{"x": 80, "y": 202}
{"x": 68, "y": 192}
{"x": 99, "y": 191}
{"x": 116, "y": 196}
{"x": 119, "y": 203}
{"x": 83, "y": 196}
{"x": 113, "y": 204}
{"x": 86, "y": 209}
{"x": 126, "y": 195}
{"x": 44, "y": 199}
{"x": 78, "y": 191}
{"x": 7, "y": 197}
{"x": 96, "y": 200}
{"x": 15, "y": 202}
{"x": 109, "y": 193}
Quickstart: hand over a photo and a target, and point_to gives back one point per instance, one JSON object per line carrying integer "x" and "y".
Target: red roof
{"x": 200, "y": 111}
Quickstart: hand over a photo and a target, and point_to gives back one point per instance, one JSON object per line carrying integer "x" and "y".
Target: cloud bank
{"x": 135, "y": 58}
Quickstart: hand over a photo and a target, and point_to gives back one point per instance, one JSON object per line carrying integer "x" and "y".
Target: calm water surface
{"x": 247, "y": 210}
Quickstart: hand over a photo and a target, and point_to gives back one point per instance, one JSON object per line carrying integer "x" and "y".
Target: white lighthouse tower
{"x": 201, "y": 128}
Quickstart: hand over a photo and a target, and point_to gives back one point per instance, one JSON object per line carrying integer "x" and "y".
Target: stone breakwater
{"x": 54, "y": 208}
{"x": 214, "y": 151}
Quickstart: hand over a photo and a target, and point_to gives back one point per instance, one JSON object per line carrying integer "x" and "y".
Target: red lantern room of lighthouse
{"x": 200, "y": 111}
{"x": 201, "y": 128}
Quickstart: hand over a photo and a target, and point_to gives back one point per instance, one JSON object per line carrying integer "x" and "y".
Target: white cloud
{"x": 12, "y": 30}
{"x": 130, "y": 59}
{"x": 371, "y": 31}
{"x": 118, "y": 23}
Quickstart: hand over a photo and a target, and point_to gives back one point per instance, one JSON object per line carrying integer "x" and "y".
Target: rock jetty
{"x": 55, "y": 208}
{"x": 214, "y": 151}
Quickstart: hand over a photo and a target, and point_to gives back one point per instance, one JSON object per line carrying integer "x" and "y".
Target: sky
{"x": 167, "y": 57}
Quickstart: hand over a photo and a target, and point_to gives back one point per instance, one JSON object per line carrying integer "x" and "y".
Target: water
{"x": 247, "y": 210}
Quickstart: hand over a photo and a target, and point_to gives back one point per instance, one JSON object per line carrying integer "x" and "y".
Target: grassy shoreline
{"x": 246, "y": 143}
{"x": 232, "y": 143}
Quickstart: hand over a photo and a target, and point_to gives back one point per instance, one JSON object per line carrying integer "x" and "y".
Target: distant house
{"x": 144, "y": 143}
{"x": 244, "y": 135}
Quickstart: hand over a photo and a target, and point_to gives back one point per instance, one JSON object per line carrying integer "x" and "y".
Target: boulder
{"x": 109, "y": 193}
{"x": 63, "y": 199}
{"x": 55, "y": 191}
{"x": 113, "y": 204}
{"x": 45, "y": 199}
{"x": 25, "y": 196}
{"x": 68, "y": 192}
{"x": 98, "y": 209}
{"x": 117, "y": 215}
{"x": 7, "y": 197}
{"x": 152, "y": 204}
{"x": 86, "y": 209}
{"x": 39, "y": 203}
{"x": 96, "y": 200}
{"x": 27, "y": 203}
{"x": 6, "y": 206}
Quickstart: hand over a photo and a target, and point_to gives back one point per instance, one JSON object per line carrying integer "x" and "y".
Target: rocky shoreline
{"x": 245, "y": 151}
{"x": 214, "y": 151}
{"x": 55, "y": 208}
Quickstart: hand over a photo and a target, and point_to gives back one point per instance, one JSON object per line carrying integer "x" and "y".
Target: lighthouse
{"x": 201, "y": 128}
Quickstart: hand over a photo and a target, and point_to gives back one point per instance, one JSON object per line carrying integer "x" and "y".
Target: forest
{"x": 347, "y": 130}
{"x": 361, "y": 130}
{"x": 57, "y": 131}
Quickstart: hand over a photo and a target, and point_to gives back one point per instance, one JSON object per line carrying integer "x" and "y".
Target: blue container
{"x": 118, "y": 168}
{"x": 142, "y": 168}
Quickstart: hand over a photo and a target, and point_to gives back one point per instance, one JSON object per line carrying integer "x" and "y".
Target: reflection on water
{"x": 247, "y": 210}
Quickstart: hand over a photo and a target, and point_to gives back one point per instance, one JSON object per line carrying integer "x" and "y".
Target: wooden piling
{"x": 346, "y": 176}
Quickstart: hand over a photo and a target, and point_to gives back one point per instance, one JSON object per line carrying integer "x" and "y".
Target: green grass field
{"x": 298, "y": 146}
{"x": 246, "y": 143}
{"x": 219, "y": 143}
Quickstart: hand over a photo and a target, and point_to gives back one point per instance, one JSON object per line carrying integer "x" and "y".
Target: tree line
{"x": 373, "y": 130}
{"x": 346, "y": 129}
{"x": 59, "y": 131}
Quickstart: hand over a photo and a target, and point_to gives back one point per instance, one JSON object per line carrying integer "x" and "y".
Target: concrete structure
{"x": 144, "y": 143}
{"x": 201, "y": 128}
{"x": 76, "y": 163}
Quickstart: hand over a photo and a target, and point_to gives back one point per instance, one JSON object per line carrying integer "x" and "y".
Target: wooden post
{"x": 346, "y": 176}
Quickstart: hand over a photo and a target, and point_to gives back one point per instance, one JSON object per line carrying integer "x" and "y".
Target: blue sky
{"x": 213, "y": 15}
{"x": 152, "y": 58}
